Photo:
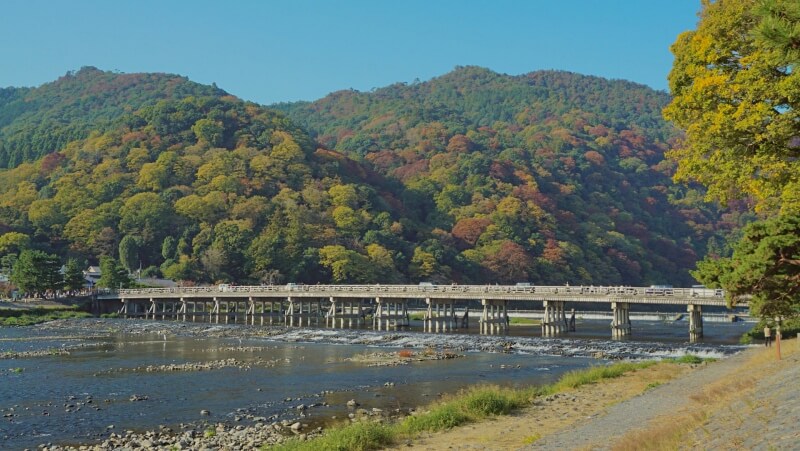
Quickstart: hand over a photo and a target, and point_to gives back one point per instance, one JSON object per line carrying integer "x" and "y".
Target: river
{"x": 102, "y": 384}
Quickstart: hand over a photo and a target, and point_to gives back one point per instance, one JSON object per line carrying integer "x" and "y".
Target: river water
{"x": 76, "y": 397}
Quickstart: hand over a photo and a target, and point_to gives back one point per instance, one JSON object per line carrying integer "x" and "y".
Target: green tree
{"x": 735, "y": 85}
{"x": 765, "y": 266}
{"x": 73, "y": 275}
{"x": 147, "y": 216}
{"x": 36, "y": 272}
{"x": 169, "y": 247}
{"x": 347, "y": 266}
{"x": 113, "y": 274}
{"x": 13, "y": 242}
{"x": 129, "y": 249}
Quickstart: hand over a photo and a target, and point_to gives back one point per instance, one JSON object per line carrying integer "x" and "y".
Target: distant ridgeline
{"x": 473, "y": 177}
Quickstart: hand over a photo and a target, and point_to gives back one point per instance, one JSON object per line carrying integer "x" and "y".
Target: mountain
{"x": 561, "y": 173}
{"x": 474, "y": 177}
{"x": 35, "y": 122}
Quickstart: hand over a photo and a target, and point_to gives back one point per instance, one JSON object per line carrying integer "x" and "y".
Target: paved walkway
{"x": 766, "y": 419}
{"x": 779, "y": 392}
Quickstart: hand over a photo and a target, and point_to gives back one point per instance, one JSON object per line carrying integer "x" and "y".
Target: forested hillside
{"x": 38, "y": 121}
{"x": 472, "y": 177}
{"x": 551, "y": 175}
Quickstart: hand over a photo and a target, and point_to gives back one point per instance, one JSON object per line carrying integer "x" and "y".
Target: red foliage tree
{"x": 468, "y": 230}
{"x": 511, "y": 263}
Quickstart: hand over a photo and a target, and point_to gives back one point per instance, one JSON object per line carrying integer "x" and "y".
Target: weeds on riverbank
{"x": 575, "y": 379}
{"x": 468, "y": 406}
{"x": 35, "y": 317}
{"x": 355, "y": 437}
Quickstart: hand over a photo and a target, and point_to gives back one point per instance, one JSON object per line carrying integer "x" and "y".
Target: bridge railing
{"x": 477, "y": 290}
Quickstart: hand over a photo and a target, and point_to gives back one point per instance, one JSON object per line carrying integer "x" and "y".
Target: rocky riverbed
{"x": 569, "y": 347}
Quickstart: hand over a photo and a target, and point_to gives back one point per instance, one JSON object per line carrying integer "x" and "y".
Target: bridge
{"x": 349, "y": 305}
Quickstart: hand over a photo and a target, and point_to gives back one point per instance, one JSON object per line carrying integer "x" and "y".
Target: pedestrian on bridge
{"x": 767, "y": 336}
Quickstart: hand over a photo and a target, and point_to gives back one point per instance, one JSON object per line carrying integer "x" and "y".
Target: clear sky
{"x": 272, "y": 51}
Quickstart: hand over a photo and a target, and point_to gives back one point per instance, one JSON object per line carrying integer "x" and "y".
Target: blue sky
{"x": 272, "y": 51}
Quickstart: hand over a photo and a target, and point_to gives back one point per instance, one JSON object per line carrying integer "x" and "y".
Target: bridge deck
{"x": 633, "y": 295}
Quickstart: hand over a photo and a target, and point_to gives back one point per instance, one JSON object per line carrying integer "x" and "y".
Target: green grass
{"x": 35, "y": 317}
{"x": 575, "y": 379}
{"x": 355, "y": 437}
{"x": 692, "y": 359}
{"x": 417, "y": 316}
{"x": 525, "y": 321}
{"x": 468, "y": 406}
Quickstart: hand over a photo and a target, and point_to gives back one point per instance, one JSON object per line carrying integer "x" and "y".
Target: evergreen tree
{"x": 113, "y": 274}
{"x": 73, "y": 275}
{"x": 36, "y": 272}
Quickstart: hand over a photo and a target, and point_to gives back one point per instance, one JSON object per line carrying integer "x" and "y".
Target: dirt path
{"x": 730, "y": 404}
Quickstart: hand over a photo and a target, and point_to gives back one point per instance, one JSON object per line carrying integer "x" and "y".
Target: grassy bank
{"x": 467, "y": 406}
{"x": 36, "y": 316}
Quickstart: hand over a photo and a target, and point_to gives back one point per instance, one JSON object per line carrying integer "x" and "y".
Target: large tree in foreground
{"x": 736, "y": 92}
{"x": 736, "y": 89}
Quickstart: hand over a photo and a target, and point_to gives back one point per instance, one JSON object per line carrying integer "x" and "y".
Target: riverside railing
{"x": 424, "y": 290}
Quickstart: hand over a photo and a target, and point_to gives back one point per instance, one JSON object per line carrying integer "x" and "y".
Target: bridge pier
{"x": 351, "y": 309}
{"x": 441, "y": 315}
{"x": 300, "y": 309}
{"x": 151, "y": 310}
{"x": 124, "y": 310}
{"x": 273, "y": 312}
{"x": 621, "y": 324}
{"x": 554, "y": 321}
{"x": 390, "y": 313}
{"x": 494, "y": 319}
{"x": 695, "y": 322}
{"x": 213, "y": 315}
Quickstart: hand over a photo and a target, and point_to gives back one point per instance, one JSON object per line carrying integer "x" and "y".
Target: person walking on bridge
{"x": 767, "y": 336}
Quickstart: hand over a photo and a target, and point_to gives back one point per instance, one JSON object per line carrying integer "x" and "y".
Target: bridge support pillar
{"x": 390, "y": 313}
{"x": 621, "y": 324}
{"x": 124, "y": 310}
{"x": 695, "y": 322}
{"x": 151, "y": 309}
{"x": 554, "y": 321}
{"x": 494, "y": 319}
{"x": 441, "y": 315}
{"x": 213, "y": 316}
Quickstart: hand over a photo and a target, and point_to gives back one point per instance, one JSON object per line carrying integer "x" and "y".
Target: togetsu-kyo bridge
{"x": 349, "y": 305}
